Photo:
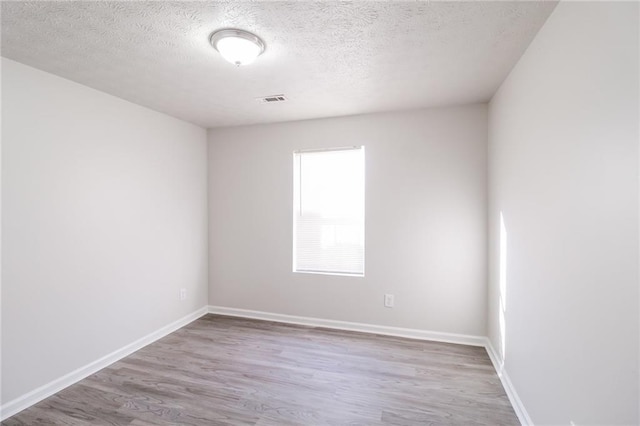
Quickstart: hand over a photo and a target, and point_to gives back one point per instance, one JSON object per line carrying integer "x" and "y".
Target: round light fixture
{"x": 237, "y": 46}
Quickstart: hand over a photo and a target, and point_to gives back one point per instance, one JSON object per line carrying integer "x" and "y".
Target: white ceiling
{"x": 329, "y": 58}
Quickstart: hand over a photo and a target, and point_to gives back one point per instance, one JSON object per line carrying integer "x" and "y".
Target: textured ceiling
{"x": 329, "y": 58}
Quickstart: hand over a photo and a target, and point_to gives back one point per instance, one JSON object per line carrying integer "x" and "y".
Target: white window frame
{"x": 297, "y": 196}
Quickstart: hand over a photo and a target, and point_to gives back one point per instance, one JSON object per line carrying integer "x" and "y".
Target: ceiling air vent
{"x": 273, "y": 99}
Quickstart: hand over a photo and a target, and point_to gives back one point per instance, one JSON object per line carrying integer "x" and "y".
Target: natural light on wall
{"x": 328, "y": 211}
{"x": 503, "y": 289}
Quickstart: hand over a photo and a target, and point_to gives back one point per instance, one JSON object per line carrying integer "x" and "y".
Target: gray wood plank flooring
{"x": 231, "y": 371}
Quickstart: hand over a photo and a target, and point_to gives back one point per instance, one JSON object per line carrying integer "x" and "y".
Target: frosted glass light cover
{"x": 237, "y": 46}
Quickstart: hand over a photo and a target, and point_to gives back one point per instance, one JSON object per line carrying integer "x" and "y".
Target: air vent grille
{"x": 273, "y": 99}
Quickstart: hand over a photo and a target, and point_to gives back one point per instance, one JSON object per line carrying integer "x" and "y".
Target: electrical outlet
{"x": 388, "y": 300}
{"x": 183, "y": 293}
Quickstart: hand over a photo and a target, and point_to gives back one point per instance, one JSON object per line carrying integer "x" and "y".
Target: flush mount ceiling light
{"x": 237, "y": 46}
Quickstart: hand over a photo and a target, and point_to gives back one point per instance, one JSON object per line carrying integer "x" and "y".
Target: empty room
{"x": 320, "y": 213}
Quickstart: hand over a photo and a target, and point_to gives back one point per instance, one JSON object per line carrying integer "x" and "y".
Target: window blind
{"x": 328, "y": 216}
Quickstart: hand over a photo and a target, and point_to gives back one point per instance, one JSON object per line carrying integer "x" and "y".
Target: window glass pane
{"x": 328, "y": 212}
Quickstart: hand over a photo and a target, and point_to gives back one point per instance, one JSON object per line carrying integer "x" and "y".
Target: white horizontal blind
{"x": 328, "y": 211}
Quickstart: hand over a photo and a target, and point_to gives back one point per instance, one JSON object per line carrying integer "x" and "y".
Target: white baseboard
{"x": 462, "y": 339}
{"x": 22, "y": 402}
{"x": 517, "y": 404}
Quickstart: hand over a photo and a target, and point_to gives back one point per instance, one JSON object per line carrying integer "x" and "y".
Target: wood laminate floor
{"x": 229, "y": 371}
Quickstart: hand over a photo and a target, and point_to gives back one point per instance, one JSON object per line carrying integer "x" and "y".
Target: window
{"x": 328, "y": 211}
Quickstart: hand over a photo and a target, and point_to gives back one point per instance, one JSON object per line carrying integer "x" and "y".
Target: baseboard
{"x": 517, "y": 404}
{"x": 462, "y": 339}
{"x": 15, "y": 406}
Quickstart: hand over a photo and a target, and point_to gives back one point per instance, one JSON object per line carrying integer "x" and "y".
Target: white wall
{"x": 563, "y": 161}
{"x": 425, "y": 220}
{"x": 104, "y": 220}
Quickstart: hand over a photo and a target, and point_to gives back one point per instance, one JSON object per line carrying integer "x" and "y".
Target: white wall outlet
{"x": 183, "y": 293}
{"x": 388, "y": 300}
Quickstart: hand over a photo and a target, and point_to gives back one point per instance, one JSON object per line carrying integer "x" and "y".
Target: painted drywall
{"x": 563, "y": 172}
{"x": 104, "y": 220}
{"x": 425, "y": 237}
